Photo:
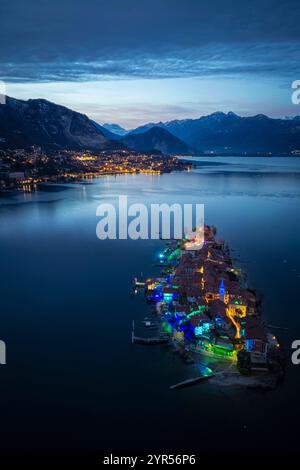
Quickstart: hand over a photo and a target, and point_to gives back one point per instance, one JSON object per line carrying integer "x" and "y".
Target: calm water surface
{"x": 73, "y": 379}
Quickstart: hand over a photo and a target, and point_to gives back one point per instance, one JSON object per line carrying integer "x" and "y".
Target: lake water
{"x": 73, "y": 379}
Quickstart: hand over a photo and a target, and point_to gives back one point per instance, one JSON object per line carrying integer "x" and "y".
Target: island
{"x": 209, "y": 315}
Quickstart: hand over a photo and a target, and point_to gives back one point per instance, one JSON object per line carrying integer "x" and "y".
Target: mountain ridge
{"x": 48, "y": 125}
{"x": 156, "y": 139}
{"x": 115, "y": 129}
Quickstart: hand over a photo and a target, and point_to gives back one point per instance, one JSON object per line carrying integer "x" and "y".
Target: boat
{"x": 148, "y": 323}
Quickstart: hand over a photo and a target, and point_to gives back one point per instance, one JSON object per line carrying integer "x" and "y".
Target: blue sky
{"x": 133, "y": 61}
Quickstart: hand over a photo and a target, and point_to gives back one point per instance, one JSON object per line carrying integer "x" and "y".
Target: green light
{"x": 176, "y": 254}
{"x": 167, "y": 327}
{"x": 221, "y": 351}
{"x": 200, "y": 311}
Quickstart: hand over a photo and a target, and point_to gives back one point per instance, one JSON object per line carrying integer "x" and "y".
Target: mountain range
{"x": 230, "y": 133}
{"x": 51, "y": 126}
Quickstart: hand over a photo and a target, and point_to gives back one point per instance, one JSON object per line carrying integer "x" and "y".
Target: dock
{"x": 139, "y": 283}
{"x": 148, "y": 341}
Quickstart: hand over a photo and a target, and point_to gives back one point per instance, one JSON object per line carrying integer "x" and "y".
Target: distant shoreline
{"x": 219, "y": 155}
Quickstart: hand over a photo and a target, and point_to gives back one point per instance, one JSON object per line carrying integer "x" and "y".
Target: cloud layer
{"x": 90, "y": 41}
{"x": 63, "y": 39}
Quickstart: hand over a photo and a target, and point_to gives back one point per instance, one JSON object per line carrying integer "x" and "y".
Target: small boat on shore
{"x": 150, "y": 324}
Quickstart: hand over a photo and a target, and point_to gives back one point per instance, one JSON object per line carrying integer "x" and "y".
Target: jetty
{"x": 150, "y": 341}
{"x": 273, "y": 327}
{"x": 189, "y": 382}
{"x": 139, "y": 283}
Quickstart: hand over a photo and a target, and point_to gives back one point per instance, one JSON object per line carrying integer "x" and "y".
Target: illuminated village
{"x": 208, "y": 312}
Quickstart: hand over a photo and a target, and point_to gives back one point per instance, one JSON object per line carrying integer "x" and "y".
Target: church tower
{"x": 222, "y": 290}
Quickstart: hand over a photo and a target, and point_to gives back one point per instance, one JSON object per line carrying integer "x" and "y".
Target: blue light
{"x": 168, "y": 297}
{"x": 198, "y": 330}
{"x": 249, "y": 344}
{"x": 222, "y": 288}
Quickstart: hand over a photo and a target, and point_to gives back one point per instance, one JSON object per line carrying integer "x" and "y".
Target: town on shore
{"x": 26, "y": 169}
